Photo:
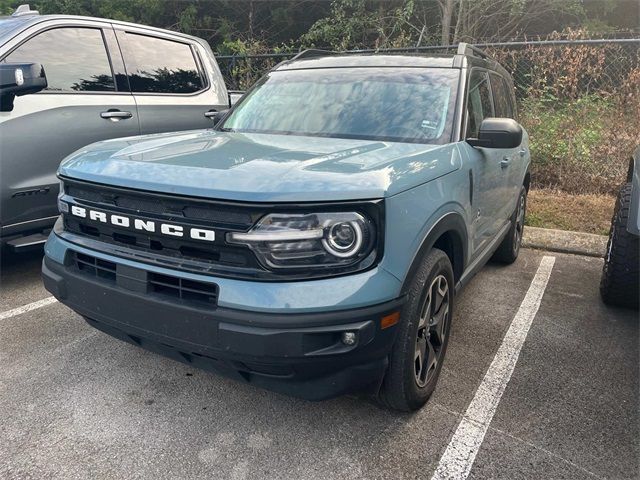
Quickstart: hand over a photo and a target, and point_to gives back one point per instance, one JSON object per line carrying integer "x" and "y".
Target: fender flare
{"x": 451, "y": 221}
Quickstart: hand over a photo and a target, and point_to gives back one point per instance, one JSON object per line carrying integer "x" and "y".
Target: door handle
{"x": 506, "y": 161}
{"x": 211, "y": 113}
{"x": 115, "y": 115}
{"x": 522, "y": 152}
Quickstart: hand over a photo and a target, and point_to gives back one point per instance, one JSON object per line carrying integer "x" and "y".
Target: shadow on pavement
{"x": 16, "y": 264}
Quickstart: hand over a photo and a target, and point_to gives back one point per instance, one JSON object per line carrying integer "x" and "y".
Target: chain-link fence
{"x": 578, "y": 99}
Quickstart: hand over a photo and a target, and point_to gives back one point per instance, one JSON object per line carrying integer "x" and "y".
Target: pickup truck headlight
{"x": 311, "y": 240}
{"x": 62, "y": 206}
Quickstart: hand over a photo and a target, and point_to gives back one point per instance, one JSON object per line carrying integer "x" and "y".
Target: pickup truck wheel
{"x": 509, "y": 249}
{"x": 421, "y": 343}
{"x": 619, "y": 281}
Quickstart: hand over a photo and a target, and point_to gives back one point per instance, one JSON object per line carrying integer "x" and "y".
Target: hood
{"x": 260, "y": 167}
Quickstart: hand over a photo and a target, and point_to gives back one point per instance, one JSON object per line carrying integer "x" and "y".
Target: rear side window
{"x": 479, "y": 104}
{"x": 74, "y": 59}
{"x": 156, "y": 65}
{"x": 501, "y": 96}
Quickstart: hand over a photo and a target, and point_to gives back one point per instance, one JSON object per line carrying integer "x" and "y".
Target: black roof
{"x": 463, "y": 55}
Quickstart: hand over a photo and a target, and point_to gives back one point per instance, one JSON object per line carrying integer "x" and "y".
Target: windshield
{"x": 390, "y": 104}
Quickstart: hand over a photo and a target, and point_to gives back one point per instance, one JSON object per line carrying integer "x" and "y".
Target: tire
{"x": 509, "y": 249}
{"x": 423, "y": 332}
{"x": 619, "y": 282}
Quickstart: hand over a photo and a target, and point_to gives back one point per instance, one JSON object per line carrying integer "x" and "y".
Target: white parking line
{"x": 27, "y": 308}
{"x": 458, "y": 458}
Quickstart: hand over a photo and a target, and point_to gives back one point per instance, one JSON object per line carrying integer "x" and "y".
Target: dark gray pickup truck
{"x": 69, "y": 81}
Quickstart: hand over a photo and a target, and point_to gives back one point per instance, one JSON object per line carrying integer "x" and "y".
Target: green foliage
{"x": 555, "y": 134}
{"x": 341, "y": 24}
{"x": 576, "y": 144}
{"x": 361, "y": 24}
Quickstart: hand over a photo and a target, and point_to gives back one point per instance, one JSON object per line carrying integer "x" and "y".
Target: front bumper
{"x": 299, "y": 354}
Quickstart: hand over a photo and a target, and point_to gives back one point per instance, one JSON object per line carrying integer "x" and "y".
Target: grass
{"x": 589, "y": 213}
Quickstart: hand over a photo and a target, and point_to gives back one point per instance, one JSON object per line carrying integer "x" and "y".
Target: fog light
{"x": 349, "y": 338}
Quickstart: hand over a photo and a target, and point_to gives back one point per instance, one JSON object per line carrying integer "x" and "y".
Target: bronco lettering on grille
{"x": 144, "y": 225}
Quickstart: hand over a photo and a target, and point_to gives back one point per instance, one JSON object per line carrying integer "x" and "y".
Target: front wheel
{"x": 509, "y": 249}
{"x": 421, "y": 343}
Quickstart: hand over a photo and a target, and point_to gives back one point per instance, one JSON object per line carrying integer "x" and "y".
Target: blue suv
{"x": 314, "y": 241}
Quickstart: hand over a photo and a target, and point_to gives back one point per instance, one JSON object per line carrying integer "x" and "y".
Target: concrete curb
{"x": 577, "y": 243}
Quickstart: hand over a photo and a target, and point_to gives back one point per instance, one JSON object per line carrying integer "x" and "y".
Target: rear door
{"x": 172, "y": 79}
{"x": 87, "y": 100}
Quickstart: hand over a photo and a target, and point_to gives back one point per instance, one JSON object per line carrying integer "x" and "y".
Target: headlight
{"x": 311, "y": 240}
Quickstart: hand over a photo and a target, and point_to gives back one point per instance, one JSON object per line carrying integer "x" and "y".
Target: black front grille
{"x": 168, "y": 286}
{"x": 164, "y": 205}
{"x": 198, "y": 213}
{"x": 218, "y": 254}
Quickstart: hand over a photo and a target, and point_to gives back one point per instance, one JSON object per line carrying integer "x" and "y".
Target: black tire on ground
{"x": 509, "y": 249}
{"x": 619, "y": 282}
{"x": 422, "y": 337}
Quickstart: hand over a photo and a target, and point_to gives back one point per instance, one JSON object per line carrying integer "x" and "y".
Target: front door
{"x": 513, "y": 160}
{"x": 486, "y": 169}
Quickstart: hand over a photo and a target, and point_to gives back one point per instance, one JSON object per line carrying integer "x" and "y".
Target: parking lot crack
{"x": 544, "y": 450}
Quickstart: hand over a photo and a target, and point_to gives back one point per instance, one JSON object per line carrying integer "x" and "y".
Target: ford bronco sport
{"x": 313, "y": 242}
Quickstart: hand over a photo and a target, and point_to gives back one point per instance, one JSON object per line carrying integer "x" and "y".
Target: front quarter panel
{"x": 412, "y": 214}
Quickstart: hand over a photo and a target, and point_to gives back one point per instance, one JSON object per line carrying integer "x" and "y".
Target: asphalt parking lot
{"x": 76, "y": 403}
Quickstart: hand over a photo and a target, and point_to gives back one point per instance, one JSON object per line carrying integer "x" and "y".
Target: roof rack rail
{"x": 24, "y": 9}
{"x": 313, "y": 52}
{"x": 467, "y": 49}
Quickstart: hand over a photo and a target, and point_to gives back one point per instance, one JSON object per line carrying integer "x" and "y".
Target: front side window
{"x": 156, "y": 65}
{"x": 479, "y": 104}
{"x": 401, "y": 104}
{"x": 74, "y": 59}
{"x": 501, "y": 96}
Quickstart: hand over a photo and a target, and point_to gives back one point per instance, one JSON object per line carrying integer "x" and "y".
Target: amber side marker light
{"x": 389, "y": 320}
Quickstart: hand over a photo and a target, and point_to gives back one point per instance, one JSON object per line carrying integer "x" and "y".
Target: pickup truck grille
{"x": 177, "y": 252}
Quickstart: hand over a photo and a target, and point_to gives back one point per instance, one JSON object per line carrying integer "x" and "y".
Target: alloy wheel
{"x": 432, "y": 328}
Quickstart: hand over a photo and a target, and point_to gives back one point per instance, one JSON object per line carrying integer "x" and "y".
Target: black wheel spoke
{"x": 432, "y": 327}
{"x": 438, "y": 328}
{"x": 420, "y": 358}
{"x": 432, "y": 358}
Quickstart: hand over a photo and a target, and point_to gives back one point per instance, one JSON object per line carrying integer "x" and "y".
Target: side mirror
{"x": 17, "y": 79}
{"x": 498, "y": 133}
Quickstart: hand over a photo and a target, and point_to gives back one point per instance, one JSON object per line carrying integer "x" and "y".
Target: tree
{"x": 503, "y": 20}
{"x": 446, "y": 15}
